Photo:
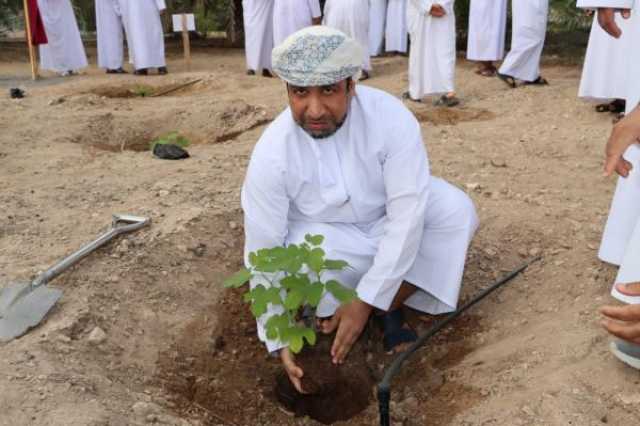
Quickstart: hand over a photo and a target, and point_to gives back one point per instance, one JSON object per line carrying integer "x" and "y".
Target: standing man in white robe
{"x": 623, "y": 222}
{"x": 290, "y": 16}
{"x": 348, "y": 162}
{"x": 604, "y": 74}
{"x": 352, "y": 18}
{"x": 377, "y": 19}
{"x": 522, "y": 63}
{"x": 396, "y": 32}
{"x": 64, "y": 52}
{"x": 487, "y": 28}
{"x": 258, "y": 35}
{"x": 110, "y": 33}
{"x": 624, "y": 322}
{"x": 145, "y": 34}
{"x": 432, "y": 59}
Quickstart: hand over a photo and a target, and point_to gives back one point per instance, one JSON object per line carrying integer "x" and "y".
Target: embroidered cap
{"x": 317, "y": 56}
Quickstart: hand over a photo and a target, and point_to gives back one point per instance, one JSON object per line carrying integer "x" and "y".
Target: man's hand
{"x": 294, "y": 372}
{"x": 606, "y": 19}
{"x": 350, "y": 320}
{"x": 624, "y": 321}
{"x": 625, "y": 133}
{"x": 437, "y": 11}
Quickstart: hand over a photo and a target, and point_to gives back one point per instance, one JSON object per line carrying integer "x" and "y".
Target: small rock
{"x": 97, "y": 336}
{"x": 63, "y": 338}
{"x": 233, "y": 225}
{"x": 534, "y": 251}
{"x": 473, "y": 186}
{"x": 498, "y": 162}
{"x": 163, "y": 193}
{"x": 144, "y": 409}
{"x": 630, "y": 399}
{"x": 56, "y": 101}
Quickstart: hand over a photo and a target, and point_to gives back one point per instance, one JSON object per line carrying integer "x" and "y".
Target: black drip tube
{"x": 384, "y": 387}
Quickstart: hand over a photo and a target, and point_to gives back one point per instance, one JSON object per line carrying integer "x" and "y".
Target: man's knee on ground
{"x": 462, "y": 211}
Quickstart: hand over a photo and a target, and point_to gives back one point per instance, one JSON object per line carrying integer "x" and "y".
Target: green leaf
{"x": 335, "y": 265}
{"x": 295, "y": 259}
{"x": 273, "y": 296}
{"x": 340, "y": 292}
{"x": 238, "y": 279}
{"x": 258, "y": 308}
{"x": 295, "y": 282}
{"x": 294, "y": 299}
{"x": 275, "y": 326}
{"x": 314, "y": 293}
{"x": 316, "y": 260}
{"x": 272, "y": 332}
{"x": 309, "y": 335}
{"x": 315, "y": 240}
{"x": 296, "y": 343}
{"x": 259, "y": 298}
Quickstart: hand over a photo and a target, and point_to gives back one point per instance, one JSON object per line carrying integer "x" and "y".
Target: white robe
{"x": 145, "y": 34}
{"x": 487, "y": 29}
{"x": 290, "y": 16}
{"x": 396, "y": 31}
{"x": 624, "y": 215}
{"x": 368, "y": 190}
{"x": 110, "y": 33}
{"x": 621, "y": 238}
{"x": 258, "y": 33}
{"x": 529, "y": 32}
{"x": 377, "y": 18}
{"x": 352, "y": 18}
{"x": 64, "y": 50}
{"x": 604, "y": 74}
{"x": 432, "y": 59}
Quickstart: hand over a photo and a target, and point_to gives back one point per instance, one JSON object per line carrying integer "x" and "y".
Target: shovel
{"x": 23, "y": 305}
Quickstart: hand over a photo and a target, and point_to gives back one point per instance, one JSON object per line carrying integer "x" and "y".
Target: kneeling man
{"x": 348, "y": 162}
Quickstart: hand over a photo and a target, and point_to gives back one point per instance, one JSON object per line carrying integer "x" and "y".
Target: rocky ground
{"x": 144, "y": 333}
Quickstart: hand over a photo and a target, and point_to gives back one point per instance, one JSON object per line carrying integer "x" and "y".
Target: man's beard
{"x": 326, "y": 133}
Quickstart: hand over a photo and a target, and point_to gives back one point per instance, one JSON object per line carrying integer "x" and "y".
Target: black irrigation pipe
{"x": 384, "y": 387}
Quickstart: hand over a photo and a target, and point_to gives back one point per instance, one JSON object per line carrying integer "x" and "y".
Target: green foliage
{"x": 295, "y": 275}
{"x": 142, "y": 91}
{"x": 175, "y": 138}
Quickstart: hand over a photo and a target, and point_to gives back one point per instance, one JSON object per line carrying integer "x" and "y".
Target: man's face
{"x": 321, "y": 110}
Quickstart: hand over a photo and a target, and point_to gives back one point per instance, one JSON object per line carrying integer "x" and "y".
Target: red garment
{"x": 38, "y": 35}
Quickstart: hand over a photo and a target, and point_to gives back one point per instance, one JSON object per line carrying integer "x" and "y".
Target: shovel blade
{"x": 22, "y": 308}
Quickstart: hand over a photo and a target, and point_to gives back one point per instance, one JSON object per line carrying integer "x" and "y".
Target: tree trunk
{"x": 235, "y": 25}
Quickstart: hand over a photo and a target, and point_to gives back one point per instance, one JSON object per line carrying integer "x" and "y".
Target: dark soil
{"x": 334, "y": 392}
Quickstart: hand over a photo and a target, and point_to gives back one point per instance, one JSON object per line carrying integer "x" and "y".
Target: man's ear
{"x": 351, "y": 85}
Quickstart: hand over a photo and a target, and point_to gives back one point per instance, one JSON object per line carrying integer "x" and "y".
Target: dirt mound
{"x": 452, "y": 116}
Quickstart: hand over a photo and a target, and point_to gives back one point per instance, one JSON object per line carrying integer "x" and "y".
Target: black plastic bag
{"x": 170, "y": 152}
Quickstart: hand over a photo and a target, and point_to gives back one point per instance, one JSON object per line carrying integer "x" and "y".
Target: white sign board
{"x": 177, "y": 22}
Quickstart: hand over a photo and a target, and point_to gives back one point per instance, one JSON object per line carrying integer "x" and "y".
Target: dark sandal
{"x": 487, "y": 71}
{"x": 510, "y": 81}
{"x": 617, "y": 106}
{"x": 540, "y": 81}
{"x": 407, "y": 96}
{"x": 394, "y": 331}
{"x": 602, "y": 107}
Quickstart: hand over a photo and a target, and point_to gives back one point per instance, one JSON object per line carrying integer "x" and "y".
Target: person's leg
{"x": 529, "y": 30}
{"x": 450, "y": 224}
